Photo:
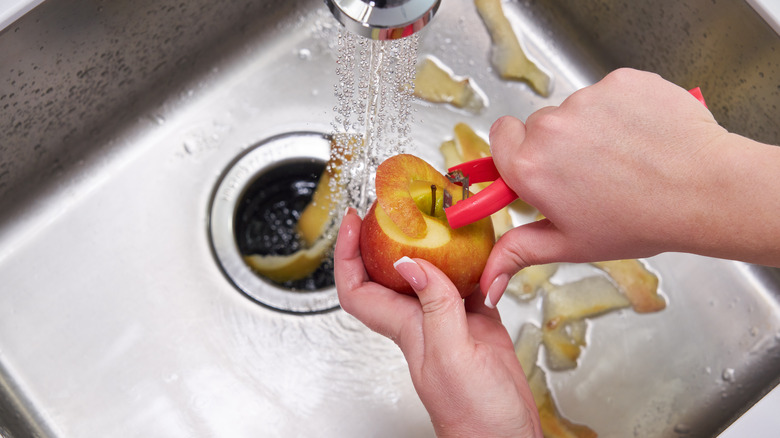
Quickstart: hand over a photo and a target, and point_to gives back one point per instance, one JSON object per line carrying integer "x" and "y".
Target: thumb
{"x": 444, "y": 324}
{"x": 535, "y": 243}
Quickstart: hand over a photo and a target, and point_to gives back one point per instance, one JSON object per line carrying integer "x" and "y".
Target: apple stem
{"x": 433, "y": 199}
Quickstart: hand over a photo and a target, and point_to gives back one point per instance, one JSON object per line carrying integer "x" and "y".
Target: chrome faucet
{"x": 383, "y": 19}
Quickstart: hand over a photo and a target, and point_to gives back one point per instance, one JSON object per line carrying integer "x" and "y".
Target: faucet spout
{"x": 383, "y": 19}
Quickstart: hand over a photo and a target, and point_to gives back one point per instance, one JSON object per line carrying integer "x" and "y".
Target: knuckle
{"x": 546, "y": 122}
{"x": 622, "y": 75}
{"x": 629, "y": 78}
{"x": 441, "y": 303}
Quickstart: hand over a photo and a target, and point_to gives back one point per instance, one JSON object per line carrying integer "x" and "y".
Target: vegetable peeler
{"x": 486, "y": 202}
{"x": 496, "y": 196}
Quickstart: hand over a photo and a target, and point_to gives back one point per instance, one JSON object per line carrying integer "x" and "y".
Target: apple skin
{"x": 461, "y": 253}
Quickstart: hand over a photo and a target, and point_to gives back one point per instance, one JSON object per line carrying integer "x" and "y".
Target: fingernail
{"x": 411, "y": 272}
{"x": 495, "y": 290}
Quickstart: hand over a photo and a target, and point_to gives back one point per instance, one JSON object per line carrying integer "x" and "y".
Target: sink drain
{"x": 254, "y": 210}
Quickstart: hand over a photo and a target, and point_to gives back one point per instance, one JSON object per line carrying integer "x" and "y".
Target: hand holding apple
{"x": 408, "y": 219}
{"x": 482, "y": 391}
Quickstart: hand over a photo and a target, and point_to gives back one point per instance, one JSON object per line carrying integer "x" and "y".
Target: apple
{"x": 408, "y": 219}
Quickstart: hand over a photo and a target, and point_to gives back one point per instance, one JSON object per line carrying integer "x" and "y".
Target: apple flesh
{"x": 400, "y": 223}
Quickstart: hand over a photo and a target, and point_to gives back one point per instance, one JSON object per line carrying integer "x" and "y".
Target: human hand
{"x": 619, "y": 170}
{"x": 461, "y": 358}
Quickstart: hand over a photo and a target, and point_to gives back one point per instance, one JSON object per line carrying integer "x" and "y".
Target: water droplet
{"x": 304, "y": 54}
{"x": 682, "y": 429}
{"x": 190, "y": 146}
{"x": 157, "y": 118}
{"x": 728, "y": 375}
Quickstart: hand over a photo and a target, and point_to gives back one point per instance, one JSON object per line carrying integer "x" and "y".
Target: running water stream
{"x": 373, "y": 114}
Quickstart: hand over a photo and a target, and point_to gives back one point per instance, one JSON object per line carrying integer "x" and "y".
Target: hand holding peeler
{"x": 497, "y": 195}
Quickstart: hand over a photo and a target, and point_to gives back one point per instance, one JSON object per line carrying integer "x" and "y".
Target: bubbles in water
{"x": 373, "y": 114}
{"x": 304, "y": 54}
{"x": 728, "y": 375}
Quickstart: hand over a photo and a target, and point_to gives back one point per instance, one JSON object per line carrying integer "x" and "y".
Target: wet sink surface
{"x": 118, "y": 121}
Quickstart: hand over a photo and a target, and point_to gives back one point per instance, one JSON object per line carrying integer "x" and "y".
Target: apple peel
{"x": 291, "y": 267}
{"x": 527, "y": 347}
{"x": 508, "y": 55}
{"x": 584, "y": 298}
{"x": 639, "y": 284}
{"x": 316, "y": 217}
{"x": 435, "y": 84}
{"x": 525, "y": 284}
{"x": 554, "y": 425}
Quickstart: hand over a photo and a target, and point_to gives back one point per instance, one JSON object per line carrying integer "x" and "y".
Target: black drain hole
{"x": 268, "y": 211}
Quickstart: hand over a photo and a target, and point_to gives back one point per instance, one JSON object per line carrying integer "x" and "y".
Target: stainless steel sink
{"x": 118, "y": 120}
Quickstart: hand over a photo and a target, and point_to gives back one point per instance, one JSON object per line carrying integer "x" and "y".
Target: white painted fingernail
{"x": 411, "y": 272}
{"x": 495, "y": 290}
{"x": 489, "y": 304}
{"x": 403, "y": 259}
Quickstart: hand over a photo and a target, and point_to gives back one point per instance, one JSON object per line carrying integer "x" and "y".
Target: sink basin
{"x": 119, "y": 120}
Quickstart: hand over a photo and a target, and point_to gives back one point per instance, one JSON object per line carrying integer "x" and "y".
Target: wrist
{"x": 738, "y": 202}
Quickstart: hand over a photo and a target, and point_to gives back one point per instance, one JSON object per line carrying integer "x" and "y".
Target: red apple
{"x": 400, "y": 224}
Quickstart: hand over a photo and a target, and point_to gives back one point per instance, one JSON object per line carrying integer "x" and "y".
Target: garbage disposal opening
{"x": 254, "y": 210}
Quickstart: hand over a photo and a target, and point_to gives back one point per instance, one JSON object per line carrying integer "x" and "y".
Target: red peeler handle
{"x": 696, "y": 92}
{"x": 479, "y": 170}
{"x": 488, "y": 201}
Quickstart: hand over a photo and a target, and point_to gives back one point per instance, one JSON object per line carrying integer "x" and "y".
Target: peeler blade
{"x": 458, "y": 177}
{"x": 447, "y": 199}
